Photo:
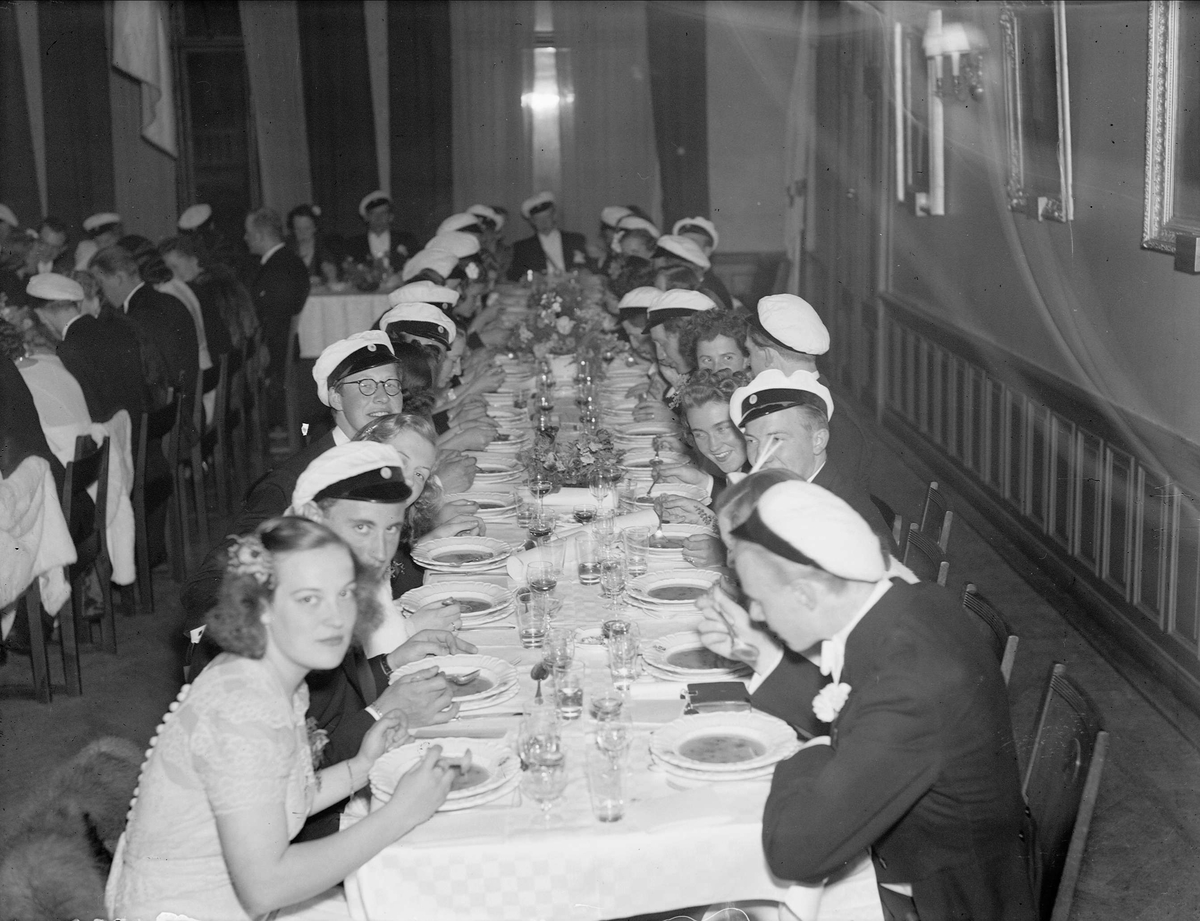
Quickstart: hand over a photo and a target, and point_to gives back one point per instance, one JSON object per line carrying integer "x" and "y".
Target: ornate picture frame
{"x": 1172, "y": 203}
{"x": 1037, "y": 109}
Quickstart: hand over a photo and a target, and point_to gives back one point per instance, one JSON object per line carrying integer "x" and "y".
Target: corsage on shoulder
{"x": 829, "y": 701}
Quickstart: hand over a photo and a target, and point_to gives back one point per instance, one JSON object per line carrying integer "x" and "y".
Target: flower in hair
{"x": 248, "y": 557}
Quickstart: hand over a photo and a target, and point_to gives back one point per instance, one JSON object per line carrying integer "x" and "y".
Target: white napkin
{"x": 654, "y": 689}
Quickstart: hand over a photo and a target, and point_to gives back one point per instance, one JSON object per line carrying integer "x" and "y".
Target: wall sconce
{"x": 964, "y": 45}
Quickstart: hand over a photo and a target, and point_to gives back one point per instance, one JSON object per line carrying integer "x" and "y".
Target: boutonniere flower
{"x": 318, "y": 738}
{"x": 829, "y": 702}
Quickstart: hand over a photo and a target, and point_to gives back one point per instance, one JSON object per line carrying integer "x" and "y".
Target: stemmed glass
{"x": 599, "y": 485}
{"x": 612, "y": 577}
{"x": 545, "y": 780}
{"x": 541, "y": 485}
{"x": 614, "y": 734}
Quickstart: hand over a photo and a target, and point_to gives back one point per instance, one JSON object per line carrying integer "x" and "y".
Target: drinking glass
{"x": 584, "y": 514}
{"x": 539, "y": 731}
{"x": 544, "y": 780}
{"x": 587, "y": 552}
{"x": 614, "y": 735}
{"x": 541, "y": 526}
{"x": 627, "y": 492}
{"x": 606, "y": 785}
{"x": 549, "y": 606}
{"x": 520, "y": 398}
{"x": 599, "y": 485}
{"x": 559, "y": 650}
{"x": 542, "y": 576}
{"x": 604, "y": 527}
{"x": 612, "y": 577}
{"x": 637, "y": 543}
{"x": 532, "y": 621}
{"x": 606, "y": 705}
{"x": 541, "y": 485}
{"x": 568, "y": 690}
{"x": 525, "y": 510}
{"x": 622, "y": 659}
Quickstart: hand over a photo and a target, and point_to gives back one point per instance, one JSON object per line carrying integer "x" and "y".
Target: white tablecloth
{"x": 326, "y": 318}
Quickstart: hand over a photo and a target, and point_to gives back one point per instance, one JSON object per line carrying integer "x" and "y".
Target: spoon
{"x": 658, "y": 536}
{"x": 539, "y": 673}
{"x": 462, "y": 678}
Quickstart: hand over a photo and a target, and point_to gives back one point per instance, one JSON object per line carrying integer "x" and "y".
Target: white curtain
{"x": 801, "y": 136}
{"x": 609, "y": 154}
{"x": 490, "y": 151}
{"x": 271, "y": 32}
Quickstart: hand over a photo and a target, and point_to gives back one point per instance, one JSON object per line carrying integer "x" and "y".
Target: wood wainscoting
{"x": 1104, "y": 500}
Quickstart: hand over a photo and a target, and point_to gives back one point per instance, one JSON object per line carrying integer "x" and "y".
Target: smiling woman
{"x": 230, "y": 776}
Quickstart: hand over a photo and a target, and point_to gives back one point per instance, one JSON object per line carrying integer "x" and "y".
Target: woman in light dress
{"x": 229, "y": 779}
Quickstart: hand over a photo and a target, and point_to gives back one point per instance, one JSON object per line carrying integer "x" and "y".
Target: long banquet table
{"x": 679, "y": 843}
{"x": 328, "y": 317}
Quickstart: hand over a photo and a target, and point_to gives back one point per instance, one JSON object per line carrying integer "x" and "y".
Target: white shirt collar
{"x": 67, "y": 325}
{"x": 129, "y": 297}
{"x": 271, "y": 252}
{"x": 818, "y": 470}
{"x": 340, "y": 437}
{"x": 833, "y": 650}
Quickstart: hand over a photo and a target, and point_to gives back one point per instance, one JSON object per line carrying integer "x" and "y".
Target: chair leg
{"x": 175, "y": 531}
{"x": 69, "y": 620}
{"x": 200, "y": 493}
{"x": 108, "y": 622}
{"x": 222, "y": 475}
{"x": 32, "y": 603}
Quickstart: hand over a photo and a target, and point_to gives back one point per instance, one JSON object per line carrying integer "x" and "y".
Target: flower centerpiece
{"x": 571, "y": 463}
{"x": 563, "y": 311}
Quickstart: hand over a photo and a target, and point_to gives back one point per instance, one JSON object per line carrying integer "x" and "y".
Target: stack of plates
{"x": 461, "y": 554}
{"x": 496, "y": 683}
{"x": 491, "y": 505}
{"x": 716, "y": 747}
{"x": 495, "y": 770}
{"x": 672, "y": 593}
{"x": 490, "y": 470}
{"x": 480, "y": 602}
{"x": 682, "y": 657}
{"x": 671, "y": 549}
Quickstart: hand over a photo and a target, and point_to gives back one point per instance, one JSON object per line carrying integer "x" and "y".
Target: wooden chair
{"x": 91, "y": 466}
{"x": 1061, "y": 784}
{"x": 996, "y": 628}
{"x": 292, "y": 405}
{"x": 161, "y": 426}
{"x": 29, "y": 606}
{"x": 192, "y": 456}
{"x": 894, "y": 522}
{"x": 253, "y": 391}
{"x": 936, "y": 517}
{"x": 924, "y": 557}
{"x": 217, "y": 440}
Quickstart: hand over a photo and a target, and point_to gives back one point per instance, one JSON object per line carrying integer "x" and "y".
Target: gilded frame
{"x": 1045, "y": 196}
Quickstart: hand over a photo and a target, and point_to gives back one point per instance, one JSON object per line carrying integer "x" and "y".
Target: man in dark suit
{"x": 919, "y": 765}
{"x": 789, "y": 416}
{"x": 101, "y": 353}
{"x": 548, "y": 249}
{"x": 381, "y": 242}
{"x": 280, "y": 289}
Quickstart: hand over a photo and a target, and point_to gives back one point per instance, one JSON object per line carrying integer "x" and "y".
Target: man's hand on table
{"x": 475, "y": 435}
{"x": 451, "y": 510}
{"x": 457, "y": 526}
{"x": 425, "y": 697}
{"x": 685, "y": 473}
{"x": 455, "y": 471}
{"x": 429, "y": 643}
{"x": 436, "y": 616}
{"x": 681, "y": 510}
{"x": 704, "y": 551}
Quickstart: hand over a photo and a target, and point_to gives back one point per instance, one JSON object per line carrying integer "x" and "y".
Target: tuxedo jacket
{"x": 102, "y": 353}
{"x": 921, "y": 767}
{"x": 528, "y": 255}
{"x": 166, "y": 326}
{"x": 279, "y": 291}
{"x": 838, "y": 475}
{"x": 404, "y": 245}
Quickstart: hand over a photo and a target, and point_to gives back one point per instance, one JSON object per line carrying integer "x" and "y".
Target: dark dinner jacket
{"x": 359, "y": 248}
{"x": 103, "y": 355}
{"x": 528, "y": 255}
{"x": 922, "y": 767}
{"x": 279, "y": 291}
{"x": 841, "y": 481}
{"x": 167, "y": 325}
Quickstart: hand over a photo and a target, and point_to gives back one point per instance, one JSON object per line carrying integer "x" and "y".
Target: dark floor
{"x": 1143, "y": 856}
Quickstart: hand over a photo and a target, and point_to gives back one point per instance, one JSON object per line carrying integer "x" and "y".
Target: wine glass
{"x": 612, "y": 578}
{"x": 599, "y": 485}
{"x": 541, "y": 526}
{"x": 541, "y": 485}
{"x": 542, "y": 576}
{"x": 559, "y": 648}
{"x": 614, "y": 734}
{"x": 539, "y": 732}
{"x": 545, "y": 780}
{"x": 584, "y": 514}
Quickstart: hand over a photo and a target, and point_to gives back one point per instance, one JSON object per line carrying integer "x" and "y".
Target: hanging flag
{"x": 140, "y": 49}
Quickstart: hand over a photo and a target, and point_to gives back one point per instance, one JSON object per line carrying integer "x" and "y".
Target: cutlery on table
{"x": 462, "y": 678}
{"x": 539, "y": 673}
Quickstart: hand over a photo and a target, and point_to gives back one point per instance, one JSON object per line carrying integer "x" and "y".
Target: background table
{"x": 328, "y": 317}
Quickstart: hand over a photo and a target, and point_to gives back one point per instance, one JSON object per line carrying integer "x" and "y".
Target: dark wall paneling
{"x": 18, "y": 174}
{"x": 1053, "y": 468}
{"x": 419, "y": 100}
{"x": 79, "y": 147}
{"x": 338, "y": 113}
{"x": 675, "y": 38}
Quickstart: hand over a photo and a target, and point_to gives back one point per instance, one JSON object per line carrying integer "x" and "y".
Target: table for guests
{"x": 328, "y": 316}
{"x": 679, "y": 843}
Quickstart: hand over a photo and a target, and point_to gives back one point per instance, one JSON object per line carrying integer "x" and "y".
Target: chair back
{"x": 924, "y": 557}
{"x": 1061, "y": 785}
{"x": 90, "y": 465}
{"x": 936, "y": 517}
{"x": 995, "y": 628}
{"x": 894, "y": 522}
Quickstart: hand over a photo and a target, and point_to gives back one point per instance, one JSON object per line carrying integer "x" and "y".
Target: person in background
{"x": 716, "y": 340}
{"x": 305, "y": 240}
{"x": 703, "y": 233}
{"x": 666, "y": 319}
{"x": 279, "y": 290}
{"x": 919, "y": 770}
{"x": 674, "y": 252}
{"x": 102, "y": 230}
{"x": 233, "y": 775}
{"x": 225, "y": 304}
{"x": 156, "y": 272}
{"x": 636, "y": 236}
{"x": 631, "y": 312}
{"x": 199, "y": 224}
{"x": 548, "y": 249}
{"x": 381, "y": 242}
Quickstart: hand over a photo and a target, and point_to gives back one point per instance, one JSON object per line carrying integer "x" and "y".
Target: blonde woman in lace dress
{"x": 229, "y": 778}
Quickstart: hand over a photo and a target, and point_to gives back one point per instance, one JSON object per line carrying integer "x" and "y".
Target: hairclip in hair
{"x": 248, "y": 557}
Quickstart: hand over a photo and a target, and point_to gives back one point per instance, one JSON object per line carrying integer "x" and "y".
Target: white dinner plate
{"x": 679, "y": 654}
{"x": 658, "y": 588}
{"x": 477, "y": 598}
{"x": 461, "y": 554}
{"x": 496, "y": 674}
{"x": 489, "y": 503}
{"x": 752, "y": 740}
{"x": 495, "y": 760}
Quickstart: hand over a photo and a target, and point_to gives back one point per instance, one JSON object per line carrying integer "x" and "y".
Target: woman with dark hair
{"x": 306, "y": 241}
{"x": 716, "y": 341}
{"x": 232, "y": 772}
{"x": 225, "y": 304}
{"x": 417, "y": 364}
